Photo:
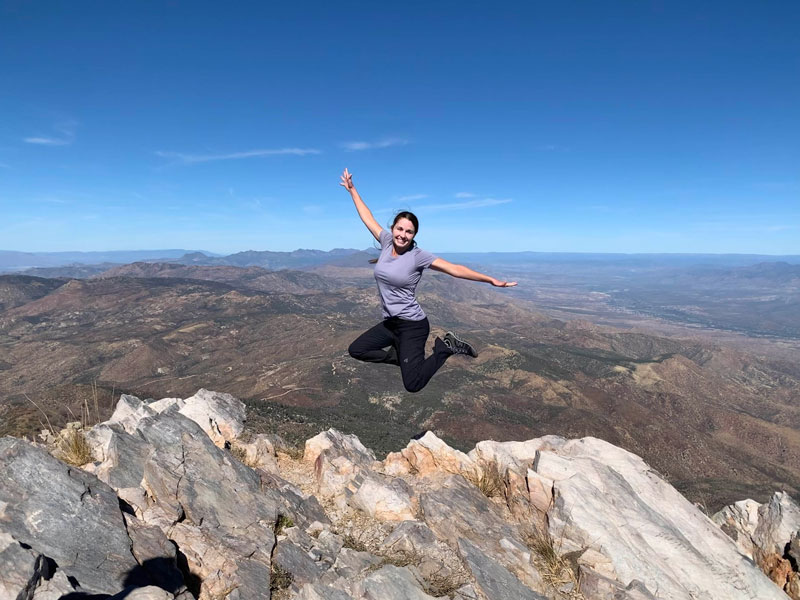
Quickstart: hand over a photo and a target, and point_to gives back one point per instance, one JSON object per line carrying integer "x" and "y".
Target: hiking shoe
{"x": 458, "y": 346}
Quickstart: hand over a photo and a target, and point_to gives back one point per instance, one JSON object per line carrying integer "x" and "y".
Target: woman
{"x": 405, "y": 327}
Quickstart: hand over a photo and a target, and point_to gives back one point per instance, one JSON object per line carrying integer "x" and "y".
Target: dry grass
{"x": 73, "y": 448}
{"x": 354, "y": 543}
{"x": 488, "y": 481}
{"x": 557, "y": 570}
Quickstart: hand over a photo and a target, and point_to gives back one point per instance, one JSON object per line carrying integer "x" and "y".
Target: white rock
{"x": 608, "y": 500}
{"x": 129, "y": 411}
{"x": 220, "y": 415}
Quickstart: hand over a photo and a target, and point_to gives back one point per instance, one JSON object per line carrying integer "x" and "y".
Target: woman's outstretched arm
{"x": 463, "y": 272}
{"x": 363, "y": 211}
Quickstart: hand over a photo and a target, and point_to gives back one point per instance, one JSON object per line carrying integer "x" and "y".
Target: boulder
{"x": 609, "y": 500}
{"x": 65, "y": 514}
{"x": 220, "y": 415}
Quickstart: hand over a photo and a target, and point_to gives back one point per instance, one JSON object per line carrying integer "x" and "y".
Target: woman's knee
{"x": 355, "y": 351}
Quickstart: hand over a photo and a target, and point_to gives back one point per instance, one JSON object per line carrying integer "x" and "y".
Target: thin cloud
{"x": 4, "y": 166}
{"x": 66, "y": 131}
{"x": 481, "y": 203}
{"x": 191, "y": 159}
{"x": 384, "y": 143}
{"x": 465, "y": 195}
{"x": 411, "y": 197}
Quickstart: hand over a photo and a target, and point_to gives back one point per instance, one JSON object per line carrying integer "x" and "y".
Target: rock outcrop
{"x": 769, "y": 534}
{"x": 179, "y": 502}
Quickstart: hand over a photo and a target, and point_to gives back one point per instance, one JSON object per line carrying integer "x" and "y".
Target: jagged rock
{"x": 608, "y": 499}
{"x": 155, "y": 554}
{"x": 57, "y": 587}
{"x": 767, "y": 533}
{"x": 393, "y": 583}
{"x": 318, "y": 591}
{"x": 337, "y": 460}
{"x": 381, "y": 498}
{"x": 220, "y": 415}
{"x": 124, "y": 456}
{"x": 351, "y": 563}
{"x": 494, "y": 580}
{"x": 410, "y": 538}
{"x": 427, "y": 455}
{"x": 22, "y": 568}
{"x": 128, "y": 412}
{"x": 259, "y": 453}
{"x": 65, "y": 514}
{"x": 333, "y": 444}
{"x": 297, "y": 561}
{"x": 739, "y": 522}
{"x": 778, "y": 521}
{"x": 452, "y": 512}
{"x": 302, "y": 509}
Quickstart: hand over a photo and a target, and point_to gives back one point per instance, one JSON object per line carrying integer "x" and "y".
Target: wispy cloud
{"x": 410, "y": 197}
{"x": 464, "y": 195}
{"x": 191, "y": 159}
{"x": 479, "y": 203}
{"x": 4, "y": 166}
{"x": 65, "y": 137}
{"x": 384, "y": 143}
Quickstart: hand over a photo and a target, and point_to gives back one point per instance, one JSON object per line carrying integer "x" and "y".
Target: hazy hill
{"x": 722, "y": 425}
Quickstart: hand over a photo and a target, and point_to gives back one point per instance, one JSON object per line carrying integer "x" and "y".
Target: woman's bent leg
{"x": 369, "y": 346}
{"x": 416, "y": 369}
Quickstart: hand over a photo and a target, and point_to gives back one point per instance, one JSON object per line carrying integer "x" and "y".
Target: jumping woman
{"x": 400, "y": 338}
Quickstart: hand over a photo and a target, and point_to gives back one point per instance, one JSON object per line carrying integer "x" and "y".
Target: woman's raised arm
{"x": 463, "y": 272}
{"x": 363, "y": 211}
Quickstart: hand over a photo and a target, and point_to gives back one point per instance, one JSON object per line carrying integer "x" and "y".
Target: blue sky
{"x": 548, "y": 126}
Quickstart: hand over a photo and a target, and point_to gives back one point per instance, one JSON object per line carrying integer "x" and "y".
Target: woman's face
{"x": 403, "y": 234}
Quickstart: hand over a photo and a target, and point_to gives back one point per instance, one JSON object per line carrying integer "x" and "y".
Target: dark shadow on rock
{"x": 161, "y": 572}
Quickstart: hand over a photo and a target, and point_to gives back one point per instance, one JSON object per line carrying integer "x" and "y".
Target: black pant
{"x": 406, "y": 342}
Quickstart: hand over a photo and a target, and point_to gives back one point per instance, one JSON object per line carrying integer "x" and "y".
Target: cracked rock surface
{"x": 176, "y": 505}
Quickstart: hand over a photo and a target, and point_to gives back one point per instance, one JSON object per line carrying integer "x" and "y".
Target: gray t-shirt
{"x": 397, "y": 278}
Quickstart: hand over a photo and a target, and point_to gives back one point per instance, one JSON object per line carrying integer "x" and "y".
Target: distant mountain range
{"x": 12, "y": 261}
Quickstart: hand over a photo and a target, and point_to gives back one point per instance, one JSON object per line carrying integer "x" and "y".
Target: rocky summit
{"x": 173, "y": 499}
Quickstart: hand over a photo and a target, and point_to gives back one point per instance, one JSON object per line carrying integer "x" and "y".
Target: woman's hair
{"x": 404, "y": 214}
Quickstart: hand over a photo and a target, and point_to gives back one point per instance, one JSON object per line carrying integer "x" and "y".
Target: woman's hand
{"x": 498, "y": 283}
{"x": 347, "y": 180}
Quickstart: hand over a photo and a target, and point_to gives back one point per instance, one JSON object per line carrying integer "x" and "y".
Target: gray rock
{"x": 155, "y": 554}
{"x": 393, "y": 583}
{"x": 55, "y": 588}
{"x": 318, "y": 591}
{"x": 410, "y": 538}
{"x": 149, "y": 592}
{"x": 128, "y": 412}
{"x": 296, "y": 560}
{"x": 65, "y": 514}
{"x": 303, "y": 510}
{"x": 352, "y": 563}
{"x": 457, "y": 510}
{"x": 125, "y": 457}
{"x": 22, "y": 569}
{"x": 495, "y": 581}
